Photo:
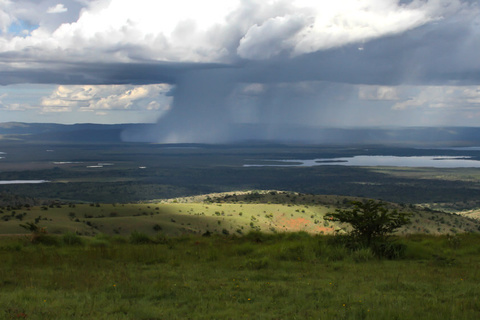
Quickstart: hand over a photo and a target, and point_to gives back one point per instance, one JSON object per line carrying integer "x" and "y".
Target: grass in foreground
{"x": 258, "y": 276}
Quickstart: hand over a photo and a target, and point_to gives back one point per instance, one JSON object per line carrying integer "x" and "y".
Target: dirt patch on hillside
{"x": 297, "y": 224}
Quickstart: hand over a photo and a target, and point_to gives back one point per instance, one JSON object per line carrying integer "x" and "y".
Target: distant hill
{"x": 109, "y": 133}
{"x": 226, "y": 213}
{"x": 52, "y": 132}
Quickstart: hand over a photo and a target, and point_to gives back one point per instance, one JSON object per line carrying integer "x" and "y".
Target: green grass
{"x": 280, "y": 212}
{"x": 258, "y": 276}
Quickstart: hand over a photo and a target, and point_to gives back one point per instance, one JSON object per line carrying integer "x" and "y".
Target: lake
{"x": 22, "y": 181}
{"x": 379, "y": 161}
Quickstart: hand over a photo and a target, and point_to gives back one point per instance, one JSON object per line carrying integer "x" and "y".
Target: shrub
{"x": 371, "y": 223}
{"x": 389, "y": 250}
{"x": 257, "y": 236}
{"x": 48, "y": 240}
{"x": 300, "y": 235}
{"x": 139, "y": 238}
{"x": 72, "y": 239}
{"x": 370, "y": 220}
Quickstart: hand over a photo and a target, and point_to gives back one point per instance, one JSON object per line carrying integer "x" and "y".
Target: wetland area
{"x": 126, "y": 172}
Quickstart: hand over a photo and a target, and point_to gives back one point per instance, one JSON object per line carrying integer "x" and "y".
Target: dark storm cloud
{"x": 438, "y": 53}
{"x": 102, "y": 73}
{"x": 442, "y": 51}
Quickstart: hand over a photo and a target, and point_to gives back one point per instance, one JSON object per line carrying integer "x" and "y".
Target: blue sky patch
{"x": 21, "y": 28}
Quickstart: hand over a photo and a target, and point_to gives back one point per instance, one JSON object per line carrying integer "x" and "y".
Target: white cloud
{"x": 103, "y": 98}
{"x": 459, "y": 98}
{"x": 218, "y": 31}
{"x": 254, "y": 88}
{"x": 5, "y": 17}
{"x": 471, "y": 95}
{"x": 323, "y": 25}
{"x": 59, "y": 8}
{"x": 15, "y": 107}
{"x": 271, "y": 38}
{"x": 12, "y": 106}
{"x": 377, "y": 93}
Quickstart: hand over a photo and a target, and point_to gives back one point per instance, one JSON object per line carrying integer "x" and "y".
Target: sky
{"x": 212, "y": 71}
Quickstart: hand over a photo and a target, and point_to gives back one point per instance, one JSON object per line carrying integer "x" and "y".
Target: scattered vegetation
{"x": 271, "y": 211}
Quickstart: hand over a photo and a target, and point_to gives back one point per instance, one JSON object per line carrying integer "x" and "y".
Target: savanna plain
{"x": 147, "y": 231}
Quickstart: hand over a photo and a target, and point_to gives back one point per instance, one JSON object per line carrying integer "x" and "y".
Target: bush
{"x": 380, "y": 248}
{"x": 389, "y": 250}
{"x": 299, "y": 235}
{"x": 139, "y": 238}
{"x": 371, "y": 221}
{"x": 257, "y": 236}
{"x": 48, "y": 240}
{"x": 72, "y": 239}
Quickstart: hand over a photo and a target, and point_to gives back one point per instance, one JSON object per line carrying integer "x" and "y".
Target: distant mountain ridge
{"x": 115, "y": 133}
{"x": 53, "y": 132}
{"x": 35, "y": 128}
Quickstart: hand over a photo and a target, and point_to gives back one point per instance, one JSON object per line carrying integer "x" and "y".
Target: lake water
{"x": 22, "y": 181}
{"x": 460, "y": 148}
{"x": 101, "y": 165}
{"x": 379, "y": 161}
{"x": 66, "y": 162}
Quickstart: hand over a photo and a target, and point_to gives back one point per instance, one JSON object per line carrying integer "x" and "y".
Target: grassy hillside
{"x": 228, "y": 214}
{"x": 270, "y": 255}
{"x": 283, "y": 276}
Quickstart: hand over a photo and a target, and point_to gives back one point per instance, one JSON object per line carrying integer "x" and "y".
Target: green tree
{"x": 371, "y": 221}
